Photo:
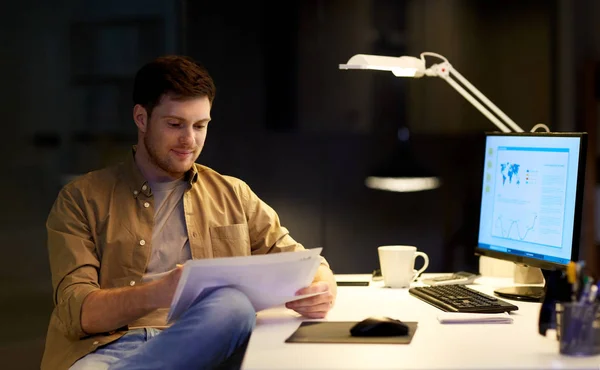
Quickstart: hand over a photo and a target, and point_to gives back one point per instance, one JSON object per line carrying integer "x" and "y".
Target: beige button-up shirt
{"x": 100, "y": 237}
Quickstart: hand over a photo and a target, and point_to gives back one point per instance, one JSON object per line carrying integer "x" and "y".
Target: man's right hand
{"x": 168, "y": 284}
{"x": 108, "y": 309}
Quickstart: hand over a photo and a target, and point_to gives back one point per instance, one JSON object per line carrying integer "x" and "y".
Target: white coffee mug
{"x": 397, "y": 264}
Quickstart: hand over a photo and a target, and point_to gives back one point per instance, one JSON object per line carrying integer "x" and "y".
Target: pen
{"x": 597, "y": 289}
{"x": 593, "y": 293}
{"x": 571, "y": 272}
{"x": 572, "y": 279}
{"x": 586, "y": 288}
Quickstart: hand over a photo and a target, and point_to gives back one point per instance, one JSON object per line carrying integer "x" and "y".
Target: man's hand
{"x": 168, "y": 284}
{"x": 315, "y": 307}
{"x": 104, "y": 310}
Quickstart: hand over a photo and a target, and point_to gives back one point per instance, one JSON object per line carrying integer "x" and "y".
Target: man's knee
{"x": 93, "y": 362}
{"x": 227, "y": 306}
{"x": 235, "y": 308}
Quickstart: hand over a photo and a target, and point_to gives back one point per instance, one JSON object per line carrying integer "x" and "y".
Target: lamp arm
{"x": 484, "y": 99}
{"x": 477, "y": 104}
{"x": 445, "y": 70}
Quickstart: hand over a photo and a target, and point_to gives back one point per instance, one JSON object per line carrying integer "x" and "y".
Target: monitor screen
{"x": 531, "y": 198}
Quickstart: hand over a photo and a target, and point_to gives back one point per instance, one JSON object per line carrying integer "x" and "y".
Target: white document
{"x": 471, "y": 318}
{"x": 268, "y": 280}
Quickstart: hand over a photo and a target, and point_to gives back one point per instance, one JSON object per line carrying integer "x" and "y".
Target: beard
{"x": 165, "y": 163}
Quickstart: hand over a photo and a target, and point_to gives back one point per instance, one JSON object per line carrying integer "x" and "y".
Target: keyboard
{"x": 459, "y": 298}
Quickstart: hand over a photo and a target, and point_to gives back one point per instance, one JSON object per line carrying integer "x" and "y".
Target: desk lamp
{"x": 408, "y": 66}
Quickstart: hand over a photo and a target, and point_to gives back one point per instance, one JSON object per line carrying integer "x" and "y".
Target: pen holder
{"x": 578, "y": 328}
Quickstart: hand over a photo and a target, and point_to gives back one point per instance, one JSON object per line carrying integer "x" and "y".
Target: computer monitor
{"x": 531, "y": 202}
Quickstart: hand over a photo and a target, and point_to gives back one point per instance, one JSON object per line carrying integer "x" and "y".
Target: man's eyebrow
{"x": 204, "y": 120}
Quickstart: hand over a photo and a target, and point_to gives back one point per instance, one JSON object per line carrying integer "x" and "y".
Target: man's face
{"x": 175, "y": 134}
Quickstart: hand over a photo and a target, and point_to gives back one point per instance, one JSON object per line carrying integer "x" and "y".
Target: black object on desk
{"x": 339, "y": 332}
{"x": 376, "y": 276}
{"x": 557, "y": 289}
{"x": 352, "y": 283}
{"x": 379, "y": 327}
{"x": 459, "y": 298}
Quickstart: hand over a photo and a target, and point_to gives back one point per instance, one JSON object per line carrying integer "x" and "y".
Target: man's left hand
{"x": 315, "y": 307}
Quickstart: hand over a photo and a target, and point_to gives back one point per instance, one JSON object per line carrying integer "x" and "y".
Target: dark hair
{"x": 174, "y": 74}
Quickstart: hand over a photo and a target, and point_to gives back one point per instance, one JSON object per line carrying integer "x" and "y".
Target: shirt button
{"x": 95, "y": 343}
{"x": 135, "y": 192}
{"x": 146, "y": 204}
{"x": 144, "y": 187}
{"x": 194, "y": 234}
{"x": 142, "y": 242}
{"x": 132, "y": 283}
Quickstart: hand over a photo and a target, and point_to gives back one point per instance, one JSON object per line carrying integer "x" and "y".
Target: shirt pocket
{"x": 230, "y": 241}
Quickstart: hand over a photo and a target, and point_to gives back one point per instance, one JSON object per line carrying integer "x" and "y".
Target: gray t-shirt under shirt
{"x": 170, "y": 243}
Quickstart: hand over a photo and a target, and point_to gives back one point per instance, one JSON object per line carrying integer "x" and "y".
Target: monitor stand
{"x": 528, "y": 293}
{"x": 525, "y": 275}
{"x": 522, "y": 293}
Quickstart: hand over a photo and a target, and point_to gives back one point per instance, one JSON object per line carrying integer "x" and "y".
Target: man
{"x": 117, "y": 238}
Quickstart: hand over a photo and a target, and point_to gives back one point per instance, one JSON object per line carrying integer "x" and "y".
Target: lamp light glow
{"x": 402, "y": 184}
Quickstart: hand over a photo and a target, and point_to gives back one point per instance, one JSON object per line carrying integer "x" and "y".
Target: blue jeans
{"x": 212, "y": 333}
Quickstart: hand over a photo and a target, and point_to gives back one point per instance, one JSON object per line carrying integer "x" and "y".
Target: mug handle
{"x": 425, "y": 264}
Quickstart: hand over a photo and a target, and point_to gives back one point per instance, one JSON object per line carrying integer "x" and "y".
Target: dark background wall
{"x": 301, "y": 132}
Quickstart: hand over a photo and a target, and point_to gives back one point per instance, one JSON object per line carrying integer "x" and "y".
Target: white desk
{"x": 434, "y": 346}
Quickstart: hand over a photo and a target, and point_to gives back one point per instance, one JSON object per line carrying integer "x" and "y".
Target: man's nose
{"x": 187, "y": 136}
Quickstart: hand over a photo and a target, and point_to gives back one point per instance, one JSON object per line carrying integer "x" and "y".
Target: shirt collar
{"x": 138, "y": 183}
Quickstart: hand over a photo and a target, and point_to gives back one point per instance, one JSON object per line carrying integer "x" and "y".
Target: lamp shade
{"x": 404, "y": 66}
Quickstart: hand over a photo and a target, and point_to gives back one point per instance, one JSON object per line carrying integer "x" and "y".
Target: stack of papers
{"x": 466, "y": 318}
{"x": 268, "y": 280}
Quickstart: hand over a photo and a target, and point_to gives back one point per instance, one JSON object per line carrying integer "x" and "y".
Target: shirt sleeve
{"x": 267, "y": 235}
{"x": 74, "y": 262}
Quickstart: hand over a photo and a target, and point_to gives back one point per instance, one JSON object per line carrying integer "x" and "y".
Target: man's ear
{"x": 140, "y": 117}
